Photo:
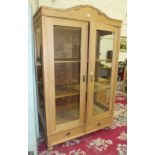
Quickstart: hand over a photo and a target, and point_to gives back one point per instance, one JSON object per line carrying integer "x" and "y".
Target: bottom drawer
{"x": 98, "y": 124}
{"x": 65, "y": 135}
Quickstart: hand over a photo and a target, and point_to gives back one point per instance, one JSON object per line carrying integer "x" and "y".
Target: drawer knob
{"x": 68, "y": 133}
{"x": 98, "y": 124}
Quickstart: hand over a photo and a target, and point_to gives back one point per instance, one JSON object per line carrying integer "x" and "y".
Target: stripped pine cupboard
{"x": 76, "y": 68}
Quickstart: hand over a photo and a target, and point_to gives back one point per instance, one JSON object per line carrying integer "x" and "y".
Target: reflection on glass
{"x": 67, "y": 73}
{"x": 39, "y": 71}
{"x": 104, "y": 52}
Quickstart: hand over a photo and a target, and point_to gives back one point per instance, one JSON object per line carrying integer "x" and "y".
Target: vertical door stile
{"x": 114, "y": 72}
{"x": 83, "y": 74}
{"x": 115, "y": 65}
{"x": 48, "y": 70}
{"x": 91, "y": 69}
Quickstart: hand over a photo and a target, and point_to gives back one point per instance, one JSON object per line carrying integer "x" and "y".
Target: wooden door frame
{"x": 91, "y": 69}
{"x": 49, "y": 73}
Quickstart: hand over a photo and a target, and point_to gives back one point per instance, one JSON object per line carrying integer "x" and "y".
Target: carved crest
{"x": 79, "y": 12}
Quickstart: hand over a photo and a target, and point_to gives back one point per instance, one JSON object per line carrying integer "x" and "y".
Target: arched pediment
{"x": 80, "y": 12}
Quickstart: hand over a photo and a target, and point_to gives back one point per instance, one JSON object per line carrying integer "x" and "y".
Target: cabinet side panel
{"x": 39, "y": 73}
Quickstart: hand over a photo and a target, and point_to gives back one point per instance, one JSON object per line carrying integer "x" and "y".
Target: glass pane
{"x": 104, "y": 52}
{"x": 39, "y": 70}
{"x": 67, "y": 73}
{"x": 67, "y": 43}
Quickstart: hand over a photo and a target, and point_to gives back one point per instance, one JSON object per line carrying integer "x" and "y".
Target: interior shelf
{"x": 67, "y": 90}
{"x": 107, "y": 60}
{"x": 98, "y": 86}
{"x": 74, "y": 89}
{"x": 106, "y": 67}
{"x": 99, "y": 108}
{"x": 66, "y": 60}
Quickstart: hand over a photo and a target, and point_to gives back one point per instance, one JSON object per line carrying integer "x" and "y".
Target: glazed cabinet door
{"x": 102, "y": 70}
{"x": 65, "y": 55}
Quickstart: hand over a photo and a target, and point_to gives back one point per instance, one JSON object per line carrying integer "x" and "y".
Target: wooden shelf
{"x": 107, "y": 60}
{"x": 98, "y": 109}
{"x": 105, "y": 67}
{"x": 98, "y": 86}
{"x": 74, "y": 89}
{"x": 67, "y": 90}
{"x": 102, "y": 105}
{"x": 66, "y": 60}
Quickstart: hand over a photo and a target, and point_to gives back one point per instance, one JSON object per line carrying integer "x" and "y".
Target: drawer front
{"x": 99, "y": 124}
{"x": 65, "y": 135}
